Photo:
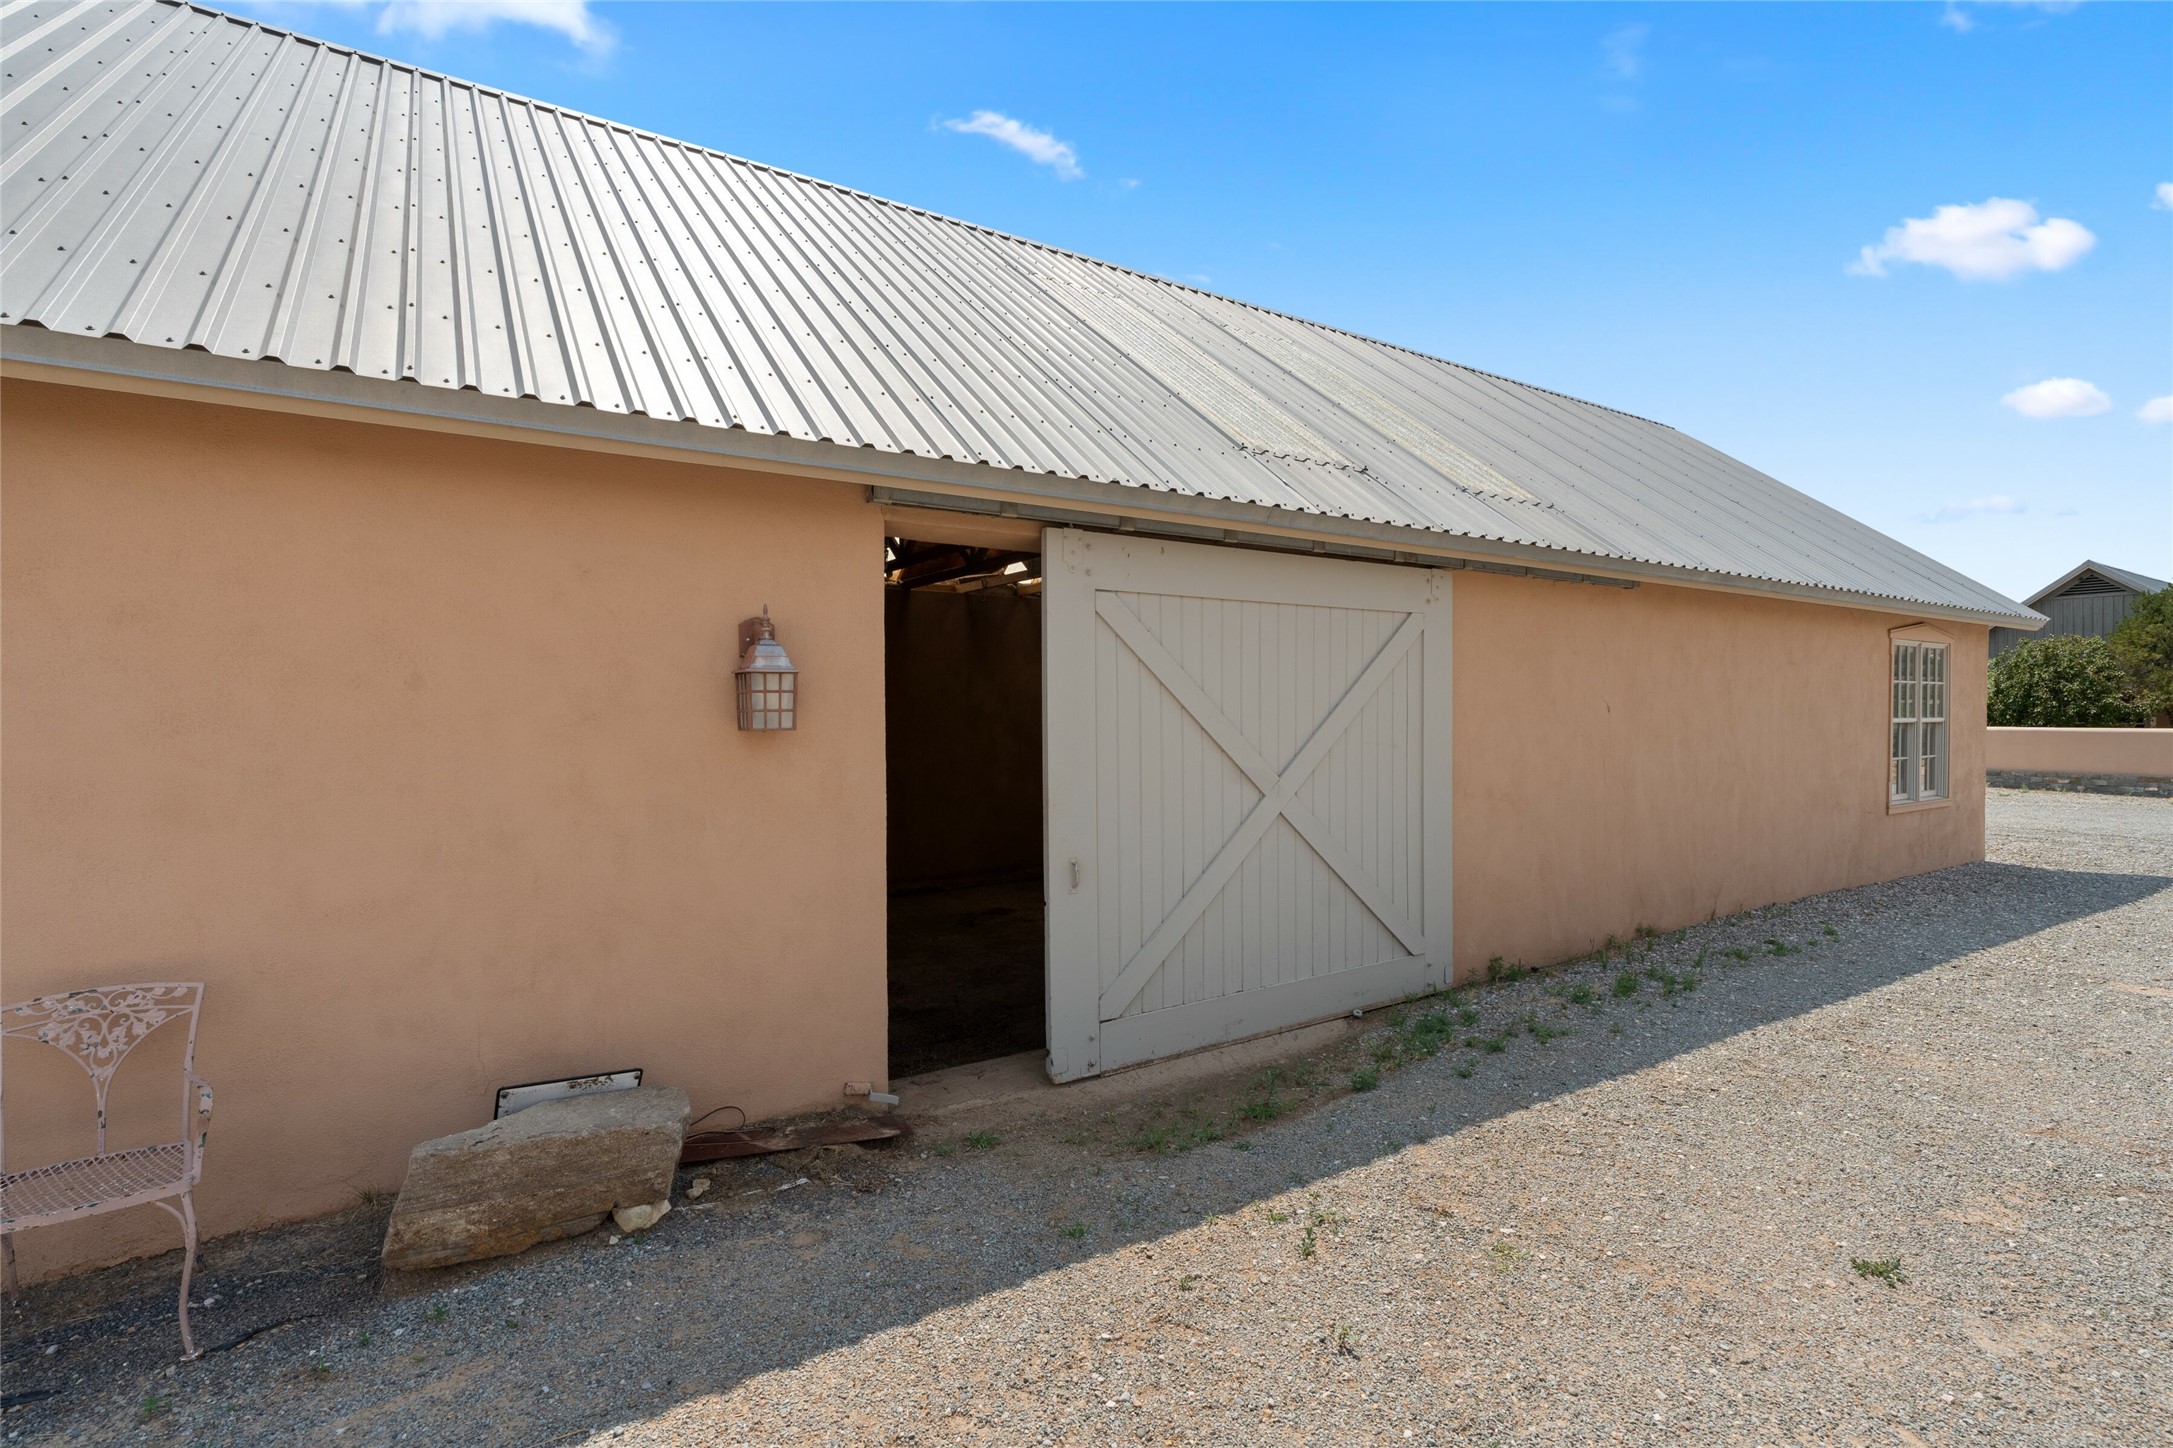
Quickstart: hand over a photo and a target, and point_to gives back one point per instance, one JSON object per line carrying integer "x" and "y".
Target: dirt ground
{"x": 966, "y": 975}
{"x": 1887, "y": 1166}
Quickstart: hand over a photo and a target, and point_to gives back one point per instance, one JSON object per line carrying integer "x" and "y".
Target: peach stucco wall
{"x": 419, "y": 750}
{"x": 2081, "y": 751}
{"x": 1659, "y": 755}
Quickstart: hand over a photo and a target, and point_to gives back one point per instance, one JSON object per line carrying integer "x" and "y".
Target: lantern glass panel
{"x": 768, "y": 699}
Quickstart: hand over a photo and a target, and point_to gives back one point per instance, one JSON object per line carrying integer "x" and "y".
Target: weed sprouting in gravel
{"x": 1343, "y": 1346}
{"x": 1507, "y": 1256}
{"x": 438, "y": 1312}
{"x": 982, "y": 1140}
{"x": 1882, "y": 1269}
{"x": 1626, "y": 985}
{"x": 1826, "y": 926}
{"x": 1545, "y": 1033}
{"x": 1185, "y": 1283}
{"x": 1365, "y": 1079}
{"x": 1777, "y": 946}
{"x": 1076, "y": 1230}
{"x": 1417, "y": 1038}
{"x": 1498, "y": 973}
{"x": 1494, "y": 1045}
{"x": 1737, "y": 954}
{"x": 1464, "y": 1072}
{"x": 943, "y": 1148}
{"x": 1466, "y": 1016}
{"x": 1278, "y": 1218}
{"x": 1579, "y": 994}
{"x": 153, "y": 1407}
{"x": 1309, "y": 1240}
{"x": 1267, "y": 1106}
{"x": 1081, "y": 1136}
{"x": 318, "y": 1369}
{"x": 362, "y": 1338}
{"x": 1670, "y": 984}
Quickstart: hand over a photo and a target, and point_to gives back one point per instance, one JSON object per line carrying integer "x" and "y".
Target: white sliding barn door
{"x": 1248, "y": 792}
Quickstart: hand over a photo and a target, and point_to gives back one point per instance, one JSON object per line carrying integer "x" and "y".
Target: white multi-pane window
{"x": 1919, "y": 750}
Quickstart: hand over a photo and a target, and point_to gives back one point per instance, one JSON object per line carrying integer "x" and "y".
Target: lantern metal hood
{"x": 766, "y": 683}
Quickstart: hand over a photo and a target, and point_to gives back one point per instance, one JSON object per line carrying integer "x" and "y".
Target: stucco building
{"x": 390, "y": 463}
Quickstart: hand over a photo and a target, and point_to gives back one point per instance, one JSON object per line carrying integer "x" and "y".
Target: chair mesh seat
{"x": 74, "y": 1186}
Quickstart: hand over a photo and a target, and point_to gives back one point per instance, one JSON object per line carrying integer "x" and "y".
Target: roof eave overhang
{"x": 114, "y": 363}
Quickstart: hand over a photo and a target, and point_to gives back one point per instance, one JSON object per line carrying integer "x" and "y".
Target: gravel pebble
{"x": 1634, "y": 1224}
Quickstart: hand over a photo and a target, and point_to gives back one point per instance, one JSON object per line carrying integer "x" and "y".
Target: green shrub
{"x": 2060, "y": 683}
{"x": 2143, "y": 648}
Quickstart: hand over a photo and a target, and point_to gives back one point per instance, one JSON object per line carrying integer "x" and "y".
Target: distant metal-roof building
{"x": 2089, "y": 599}
{"x": 220, "y": 190}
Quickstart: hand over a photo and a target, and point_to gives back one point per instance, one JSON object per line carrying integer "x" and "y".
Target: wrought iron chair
{"x": 98, "y": 1028}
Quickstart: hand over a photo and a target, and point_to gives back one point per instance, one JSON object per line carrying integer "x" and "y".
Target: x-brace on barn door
{"x": 1248, "y": 792}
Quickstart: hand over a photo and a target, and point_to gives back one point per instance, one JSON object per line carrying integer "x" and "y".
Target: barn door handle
{"x": 1075, "y": 876}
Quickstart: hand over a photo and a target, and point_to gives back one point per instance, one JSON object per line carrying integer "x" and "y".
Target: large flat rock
{"x": 552, "y": 1171}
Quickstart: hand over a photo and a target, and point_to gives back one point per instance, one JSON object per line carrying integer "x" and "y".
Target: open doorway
{"x": 962, "y": 689}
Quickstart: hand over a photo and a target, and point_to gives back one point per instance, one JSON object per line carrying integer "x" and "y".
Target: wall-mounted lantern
{"x": 767, "y": 684}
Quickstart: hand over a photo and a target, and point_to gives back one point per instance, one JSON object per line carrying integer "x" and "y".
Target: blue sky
{"x": 1665, "y": 208}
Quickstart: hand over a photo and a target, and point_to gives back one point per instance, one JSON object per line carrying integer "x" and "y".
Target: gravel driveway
{"x": 1619, "y": 1203}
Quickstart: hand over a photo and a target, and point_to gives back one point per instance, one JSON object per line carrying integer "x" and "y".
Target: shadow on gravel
{"x": 774, "y": 1285}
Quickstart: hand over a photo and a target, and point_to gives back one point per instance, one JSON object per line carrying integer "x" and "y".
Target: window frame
{"x": 1908, "y": 650}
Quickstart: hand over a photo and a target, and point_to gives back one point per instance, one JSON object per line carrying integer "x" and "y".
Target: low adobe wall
{"x": 2133, "y": 752}
{"x": 420, "y": 751}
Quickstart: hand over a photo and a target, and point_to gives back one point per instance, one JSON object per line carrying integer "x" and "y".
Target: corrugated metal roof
{"x": 2135, "y": 582}
{"x": 182, "y": 178}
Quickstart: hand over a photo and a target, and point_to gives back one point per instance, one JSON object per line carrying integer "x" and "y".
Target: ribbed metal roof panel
{"x": 183, "y": 178}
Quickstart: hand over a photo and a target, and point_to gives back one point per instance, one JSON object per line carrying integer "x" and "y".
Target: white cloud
{"x": 1990, "y": 241}
{"x": 2162, "y": 199}
{"x": 1624, "y": 48}
{"x": 433, "y": 19}
{"x": 2158, "y": 409}
{"x": 1961, "y": 22}
{"x": 1031, "y": 142}
{"x": 1974, "y": 508}
{"x": 2058, "y": 397}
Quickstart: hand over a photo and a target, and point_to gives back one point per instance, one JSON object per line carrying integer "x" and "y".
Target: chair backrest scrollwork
{"x": 97, "y": 1028}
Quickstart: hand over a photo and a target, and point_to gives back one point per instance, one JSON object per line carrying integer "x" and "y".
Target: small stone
{"x": 697, "y": 1188}
{"x": 642, "y": 1217}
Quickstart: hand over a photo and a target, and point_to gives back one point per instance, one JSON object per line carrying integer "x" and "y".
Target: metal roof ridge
{"x": 2126, "y": 577}
{"x": 658, "y": 136}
